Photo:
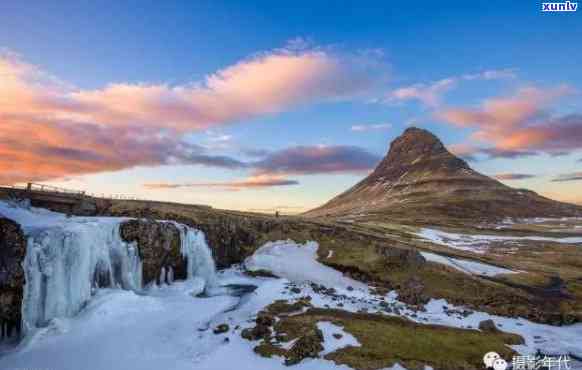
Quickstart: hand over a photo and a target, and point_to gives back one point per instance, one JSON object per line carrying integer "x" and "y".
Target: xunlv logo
{"x": 560, "y": 7}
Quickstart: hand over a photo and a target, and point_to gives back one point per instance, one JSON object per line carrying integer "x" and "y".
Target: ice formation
{"x": 196, "y": 251}
{"x": 67, "y": 259}
{"x": 63, "y": 265}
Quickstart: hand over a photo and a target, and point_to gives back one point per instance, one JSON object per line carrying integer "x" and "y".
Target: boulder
{"x": 307, "y": 346}
{"x": 488, "y": 326}
{"x": 412, "y": 292}
{"x": 221, "y": 329}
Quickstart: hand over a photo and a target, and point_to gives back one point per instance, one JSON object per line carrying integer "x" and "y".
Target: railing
{"x": 31, "y": 186}
{"x": 112, "y": 196}
{"x": 51, "y": 189}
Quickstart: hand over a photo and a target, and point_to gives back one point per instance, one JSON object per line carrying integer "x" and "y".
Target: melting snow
{"x": 330, "y": 342}
{"x": 480, "y": 243}
{"x": 297, "y": 263}
{"x": 470, "y": 267}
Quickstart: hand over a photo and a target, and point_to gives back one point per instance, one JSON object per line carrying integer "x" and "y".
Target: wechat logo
{"x": 492, "y": 360}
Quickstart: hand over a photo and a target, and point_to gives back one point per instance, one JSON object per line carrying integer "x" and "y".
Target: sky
{"x": 268, "y": 106}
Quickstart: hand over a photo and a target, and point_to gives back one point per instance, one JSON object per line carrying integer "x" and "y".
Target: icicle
{"x": 170, "y": 277}
{"x": 199, "y": 258}
{"x": 65, "y": 264}
{"x": 163, "y": 276}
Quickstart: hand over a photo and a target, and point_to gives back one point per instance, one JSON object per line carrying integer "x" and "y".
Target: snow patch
{"x": 331, "y": 343}
{"x": 480, "y": 243}
{"x": 466, "y": 266}
{"x": 297, "y": 263}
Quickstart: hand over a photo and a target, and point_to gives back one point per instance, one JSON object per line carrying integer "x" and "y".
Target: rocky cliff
{"x": 12, "y": 252}
{"x": 159, "y": 247}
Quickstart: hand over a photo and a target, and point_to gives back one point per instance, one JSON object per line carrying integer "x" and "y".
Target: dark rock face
{"x": 420, "y": 180}
{"x": 230, "y": 237}
{"x": 12, "y": 252}
{"x": 159, "y": 247}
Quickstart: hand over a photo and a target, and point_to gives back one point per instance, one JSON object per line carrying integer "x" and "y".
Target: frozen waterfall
{"x": 196, "y": 251}
{"x": 64, "y": 264}
{"x": 67, "y": 259}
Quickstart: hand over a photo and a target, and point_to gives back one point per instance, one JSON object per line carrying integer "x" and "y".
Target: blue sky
{"x": 493, "y": 75}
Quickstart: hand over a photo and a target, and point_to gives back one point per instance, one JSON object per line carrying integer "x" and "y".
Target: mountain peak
{"x": 417, "y": 148}
{"x": 419, "y": 177}
{"x": 418, "y": 137}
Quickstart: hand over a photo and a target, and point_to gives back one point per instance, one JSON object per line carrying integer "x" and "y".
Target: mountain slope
{"x": 419, "y": 178}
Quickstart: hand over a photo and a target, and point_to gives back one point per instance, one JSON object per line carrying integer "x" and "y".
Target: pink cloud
{"x": 265, "y": 84}
{"x": 431, "y": 93}
{"x": 521, "y": 123}
{"x": 50, "y": 129}
{"x": 305, "y": 160}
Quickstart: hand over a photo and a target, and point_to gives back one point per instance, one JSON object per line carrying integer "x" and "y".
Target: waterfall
{"x": 198, "y": 255}
{"x": 66, "y": 262}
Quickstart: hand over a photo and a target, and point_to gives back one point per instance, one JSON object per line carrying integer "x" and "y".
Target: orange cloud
{"x": 513, "y": 176}
{"x": 50, "y": 129}
{"x": 253, "y": 182}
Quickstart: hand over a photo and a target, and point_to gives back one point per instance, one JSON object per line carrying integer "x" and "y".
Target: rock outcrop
{"x": 159, "y": 247}
{"x": 420, "y": 180}
{"x": 12, "y": 252}
{"x": 307, "y": 346}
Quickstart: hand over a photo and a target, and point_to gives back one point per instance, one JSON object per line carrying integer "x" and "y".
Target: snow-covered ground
{"x": 171, "y": 327}
{"x": 298, "y": 263}
{"x": 480, "y": 243}
{"x": 165, "y": 328}
{"x": 548, "y": 338}
{"x": 469, "y": 267}
{"x": 168, "y": 327}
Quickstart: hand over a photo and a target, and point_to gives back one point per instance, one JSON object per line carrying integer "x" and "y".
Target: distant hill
{"x": 420, "y": 179}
